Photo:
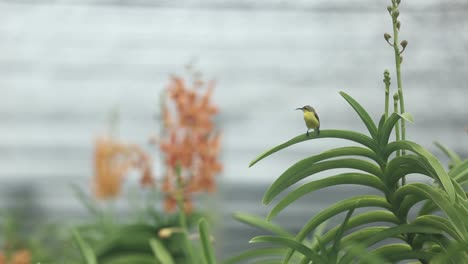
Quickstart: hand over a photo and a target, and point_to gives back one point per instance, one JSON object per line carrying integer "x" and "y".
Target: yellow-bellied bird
{"x": 311, "y": 119}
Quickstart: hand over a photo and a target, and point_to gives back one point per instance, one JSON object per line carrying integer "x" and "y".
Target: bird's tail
{"x": 317, "y": 131}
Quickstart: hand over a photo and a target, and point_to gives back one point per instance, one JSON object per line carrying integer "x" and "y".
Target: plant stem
{"x": 398, "y": 66}
{"x": 182, "y": 217}
{"x": 397, "y": 126}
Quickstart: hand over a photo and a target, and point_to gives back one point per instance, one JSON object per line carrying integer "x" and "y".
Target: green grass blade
{"x": 431, "y": 162}
{"x": 85, "y": 249}
{"x": 208, "y": 251}
{"x": 161, "y": 253}
{"x": 292, "y": 244}
{"x": 262, "y": 224}
{"x": 287, "y": 178}
{"x": 339, "y": 134}
{"x": 365, "y": 117}
{"x": 345, "y": 178}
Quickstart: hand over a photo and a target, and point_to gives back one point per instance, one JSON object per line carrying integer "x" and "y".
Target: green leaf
{"x": 85, "y": 249}
{"x": 131, "y": 258}
{"x": 404, "y": 165}
{"x": 287, "y": 179}
{"x": 438, "y": 222}
{"x": 362, "y": 219}
{"x": 345, "y": 178}
{"x": 341, "y": 206}
{"x": 440, "y": 199}
{"x": 392, "y": 232}
{"x": 365, "y": 257}
{"x": 262, "y": 224}
{"x": 454, "y": 158}
{"x": 339, "y": 234}
{"x": 362, "y": 114}
{"x": 399, "y": 252}
{"x": 208, "y": 251}
{"x": 431, "y": 162}
{"x": 459, "y": 171}
{"x": 162, "y": 255}
{"x": 340, "y": 134}
{"x": 290, "y": 243}
{"x": 408, "y": 117}
{"x": 255, "y": 254}
{"x": 387, "y": 128}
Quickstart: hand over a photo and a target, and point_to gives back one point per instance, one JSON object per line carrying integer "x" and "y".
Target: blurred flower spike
{"x": 112, "y": 161}
{"x": 190, "y": 140}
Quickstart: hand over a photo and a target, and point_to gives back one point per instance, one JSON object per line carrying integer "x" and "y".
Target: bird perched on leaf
{"x": 311, "y": 119}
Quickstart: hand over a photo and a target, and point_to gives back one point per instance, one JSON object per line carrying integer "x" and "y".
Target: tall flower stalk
{"x": 395, "y": 13}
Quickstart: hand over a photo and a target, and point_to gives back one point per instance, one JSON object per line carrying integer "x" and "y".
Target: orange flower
{"x": 21, "y": 256}
{"x": 112, "y": 161}
{"x": 190, "y": 140}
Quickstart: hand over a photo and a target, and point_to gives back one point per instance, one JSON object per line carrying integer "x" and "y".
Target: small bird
{"x": 311, "y": 119}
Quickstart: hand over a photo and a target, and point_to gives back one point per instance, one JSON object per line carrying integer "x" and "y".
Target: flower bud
{"x": 389, "y": 9}
{"x": 387, "y": 36}
{"x": 404, "y": 43}
{"x": 401, "y": 59}
{"x": 398, "y": 2}
{"x": 398, "y": 24}
{"x": 396, "y": 13}
{"x": 396, "y": 97}
{"x": 386, "y": 79}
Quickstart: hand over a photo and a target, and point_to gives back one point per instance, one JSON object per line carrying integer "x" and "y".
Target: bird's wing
{"x": 316, "y": 116}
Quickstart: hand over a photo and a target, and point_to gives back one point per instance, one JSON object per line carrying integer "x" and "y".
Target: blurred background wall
{"x": 65, "y": 65}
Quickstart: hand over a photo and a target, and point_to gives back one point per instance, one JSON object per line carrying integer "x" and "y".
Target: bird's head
{"x": 306, "y": 108}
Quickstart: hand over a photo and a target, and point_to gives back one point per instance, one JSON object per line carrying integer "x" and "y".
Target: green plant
{"x": 382, "y": 164}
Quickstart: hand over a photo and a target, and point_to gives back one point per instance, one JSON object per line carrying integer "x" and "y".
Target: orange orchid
{"x": 112, "y": 161}
{"x": 190, "y": 140}
{"x": 22, "y": 256}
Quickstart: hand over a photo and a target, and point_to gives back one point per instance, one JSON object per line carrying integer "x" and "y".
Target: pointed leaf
{"x": 256, "y": 253}
{"x": 431, "y": 162}
{"x": 262, "y": 224}
{"x": 340, "y": 134}
{"x": 407, "y": 116}
{"x": 287, "y": 179}
{"x": 341, "y": 206}
{"x": 359, "y": 220}
{"x": 362, "y": 114}
{"x": 290, "y": 243}
{"x": 161, "y": 253}
{"x": 339, "y": 234}
{"x": 399, "y": 252}
{"x": 393, "y": 232}
{"x": 85, "y": 249}
{"x": 208, "y": 251}
{"x": 345, "y": 178}
{"x": 454, "y": 158}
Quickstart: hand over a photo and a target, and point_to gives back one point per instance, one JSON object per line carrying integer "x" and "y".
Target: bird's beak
{"x": 300, "y": 108}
